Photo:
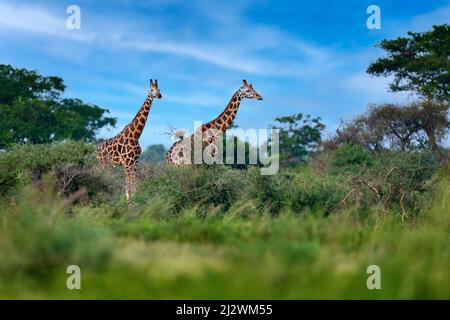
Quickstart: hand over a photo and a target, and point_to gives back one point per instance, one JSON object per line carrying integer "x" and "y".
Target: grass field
{"x": 139, "y": 254}
{"x": 219, "y": 233}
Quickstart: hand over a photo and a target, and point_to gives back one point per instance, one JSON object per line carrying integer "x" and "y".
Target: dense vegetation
{"x": 32, "y": 110}
{"x": 214, "y": 231}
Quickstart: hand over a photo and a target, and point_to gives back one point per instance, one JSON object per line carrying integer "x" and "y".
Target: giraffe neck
{"x": 224, "y": 120}
{"x": 136, "y": 126}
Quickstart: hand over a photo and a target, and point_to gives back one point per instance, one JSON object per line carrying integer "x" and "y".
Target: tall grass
{"x": 215, "y": 232}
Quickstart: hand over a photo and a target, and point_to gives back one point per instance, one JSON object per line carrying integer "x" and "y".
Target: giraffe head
{"x": 248, "y": 92}
{"x": 154, "y": 90}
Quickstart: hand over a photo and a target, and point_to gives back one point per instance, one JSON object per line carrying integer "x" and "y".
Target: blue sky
{"x": 301, "y": 56}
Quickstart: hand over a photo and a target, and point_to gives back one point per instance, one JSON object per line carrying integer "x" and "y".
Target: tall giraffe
{"x": 180, "y": 152}
{"x": 124, "y": 149}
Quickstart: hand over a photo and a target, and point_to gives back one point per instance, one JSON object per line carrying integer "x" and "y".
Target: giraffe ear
{"x": 245, "y": 83}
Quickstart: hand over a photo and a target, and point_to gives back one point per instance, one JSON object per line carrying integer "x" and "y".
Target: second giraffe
{"x": 180, "y": 153}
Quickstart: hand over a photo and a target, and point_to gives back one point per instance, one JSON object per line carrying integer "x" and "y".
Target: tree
{"x": 154, "y": 153}
{"x": 419, "y": 63}
{"x": 390, "y": 126}
{"x": 398, "y": 125}
{"x": 25, "y": 84}
{"x": 31, "y": 110}
{"x": 299, "y": 135}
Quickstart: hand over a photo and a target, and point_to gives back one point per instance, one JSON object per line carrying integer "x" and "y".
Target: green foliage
{"x": 26, "y": 84}
{"x": 243, "y": 152}
{"x": 418, "y": 63}
{"x": 39, "y": 240}
{"x": 70, "y": 165}
{"x": 31, "y": 110}
{"x": 415, "y": 126}
{"x": 299, "y": 136}
{"x": 317, "y": 193}
{"x": 270, "y": 192}
{"x": 191, "y": 231}
{"x": 187, "y": 187}
{"x": 397, "y": 180}
{"x": 349, "y": 158}
{"x": 191, "y": 255}
{"x": 154, "y": 153}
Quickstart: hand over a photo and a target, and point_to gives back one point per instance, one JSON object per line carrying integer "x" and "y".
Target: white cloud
{"x": 228, "y": 54}
{"x": 38, "y": 21}
{"x": 373, "y": 89}
{"x": 424, "y": 22}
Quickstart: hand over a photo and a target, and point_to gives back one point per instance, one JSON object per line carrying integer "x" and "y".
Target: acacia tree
{"x": 32, "y": 110}
{"x": 393, "y": 126}
{"x": 420, "y": 63}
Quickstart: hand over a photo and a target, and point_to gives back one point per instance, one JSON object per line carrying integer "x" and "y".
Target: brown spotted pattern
{"x": 123, "y": 149}
{"x": 181, "y": 151}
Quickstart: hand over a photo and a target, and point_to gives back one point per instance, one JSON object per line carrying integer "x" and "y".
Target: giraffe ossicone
{"x": 184, "y": 151}
{"x": 124, "y": 148}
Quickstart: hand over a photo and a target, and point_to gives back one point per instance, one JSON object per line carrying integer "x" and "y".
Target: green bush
{"x": 270, "y": 192}
{"x": 25, "y": 163}
{"x": 186, "y": 187}
{"x": 398, "y": 180}
{"x": 349, "y": 158}
{"x": 312, "y": 192}
{"x": 71, "y": 165}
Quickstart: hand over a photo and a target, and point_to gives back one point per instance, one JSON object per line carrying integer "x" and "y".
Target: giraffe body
{"x": 181, "y": 151}
{"x": 124, "y": 149}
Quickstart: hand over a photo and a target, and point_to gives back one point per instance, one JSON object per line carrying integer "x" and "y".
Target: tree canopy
{"x": 32, "y": 110}
{"x": 419, "y": 63}
{"x": 391, "y": 126}
{"x": 154, "y": 153}
{"x": 299, "y": 135}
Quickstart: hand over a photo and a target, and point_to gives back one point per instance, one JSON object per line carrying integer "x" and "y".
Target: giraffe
{"x": 124, "y": 149}
{"x": 180, "y": 152}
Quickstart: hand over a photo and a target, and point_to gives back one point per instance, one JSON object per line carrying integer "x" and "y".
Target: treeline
{"x": 32, "y": 110}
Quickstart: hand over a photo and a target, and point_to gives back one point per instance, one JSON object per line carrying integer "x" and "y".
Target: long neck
{"x": 225, "y": 119}
{"x": 137, "y": 125}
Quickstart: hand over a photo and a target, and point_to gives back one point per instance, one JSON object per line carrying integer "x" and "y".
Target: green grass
{"x": 216, "y": 232}
{"x": 148, "y": 251}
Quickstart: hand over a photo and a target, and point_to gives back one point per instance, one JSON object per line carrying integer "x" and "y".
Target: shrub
{"x": 186, "y": 187}
{"x": 26, "y": 163}
{"x": 349, "y": 158}
{"x": 69, "y": 164}
{"x": 312, "y": 192}
{"x": 269, "y": 191}
{"x": 399, "y": 179}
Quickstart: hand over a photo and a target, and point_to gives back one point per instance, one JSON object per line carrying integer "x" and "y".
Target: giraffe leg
{"x": 130, "y": 181}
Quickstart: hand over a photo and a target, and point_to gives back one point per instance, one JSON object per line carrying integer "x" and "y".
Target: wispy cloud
{"x": 37, "y": 20}
{"x": 242, "y": 56}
